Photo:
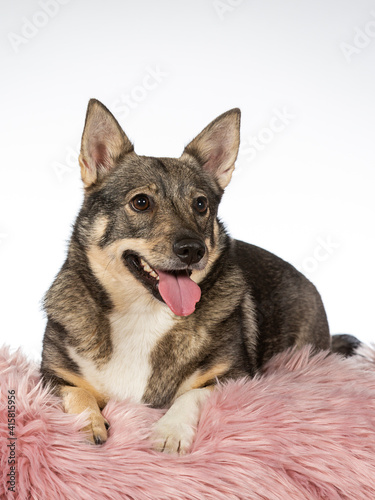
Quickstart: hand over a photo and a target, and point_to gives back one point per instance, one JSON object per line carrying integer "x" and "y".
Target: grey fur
{"x": 253, "y": 304}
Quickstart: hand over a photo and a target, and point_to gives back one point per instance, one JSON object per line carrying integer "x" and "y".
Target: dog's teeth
{"x": 145, "y": 266}
{"x": 149, "y": 269}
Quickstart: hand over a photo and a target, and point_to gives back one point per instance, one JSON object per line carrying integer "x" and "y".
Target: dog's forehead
{"x": 172, "y": 176}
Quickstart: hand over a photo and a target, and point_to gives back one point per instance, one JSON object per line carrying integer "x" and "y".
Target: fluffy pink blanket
{"x": 304, "y": 430}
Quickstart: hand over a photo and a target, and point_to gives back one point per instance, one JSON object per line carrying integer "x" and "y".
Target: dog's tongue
{"x": 179, "y": 292}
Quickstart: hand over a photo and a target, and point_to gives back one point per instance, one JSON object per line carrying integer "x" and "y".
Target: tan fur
{"x": 88, "y": 176}
{"x": 99, "y": 228}
{"x": 109, "y": 332}
{"x": 210, "y": 375}
{"x": 109, "y": 268}
{"x": 76, "y": 400}
{"x": 198, "y": 379}
{"x": 149, "y": 189}
{"x": 70, "y": 377}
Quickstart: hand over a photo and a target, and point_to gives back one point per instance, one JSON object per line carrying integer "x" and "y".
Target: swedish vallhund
{"x": 155, "y": 302}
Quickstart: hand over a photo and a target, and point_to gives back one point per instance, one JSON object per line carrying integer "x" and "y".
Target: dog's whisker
{"x": 108, "y": 264}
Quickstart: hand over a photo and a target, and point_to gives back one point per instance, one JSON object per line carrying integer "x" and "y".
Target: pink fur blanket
{"x": 304, "y": 430}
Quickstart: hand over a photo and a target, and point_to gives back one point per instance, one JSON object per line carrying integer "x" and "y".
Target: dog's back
{"x": 289, "y": 309}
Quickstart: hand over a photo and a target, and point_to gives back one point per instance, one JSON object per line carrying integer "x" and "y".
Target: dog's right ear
{"x": 103, "y": 142}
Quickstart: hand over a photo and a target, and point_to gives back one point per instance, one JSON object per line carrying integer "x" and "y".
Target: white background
{"x": 306, "y": 193}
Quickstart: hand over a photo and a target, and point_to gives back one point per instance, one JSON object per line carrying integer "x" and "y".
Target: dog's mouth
{"x": 175, "y": 288}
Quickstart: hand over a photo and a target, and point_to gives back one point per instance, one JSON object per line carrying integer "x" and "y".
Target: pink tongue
{"x": 179, "y": 292}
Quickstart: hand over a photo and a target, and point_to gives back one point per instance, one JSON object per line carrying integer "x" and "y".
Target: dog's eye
{"x": 201, "y": 204}
{"x": 140, "y": 203}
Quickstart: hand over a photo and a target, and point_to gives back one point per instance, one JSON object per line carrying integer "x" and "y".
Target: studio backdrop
{"x": 303, "y": 75}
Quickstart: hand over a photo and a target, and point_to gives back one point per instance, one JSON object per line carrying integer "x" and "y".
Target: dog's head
{"x": 154, "y": 219}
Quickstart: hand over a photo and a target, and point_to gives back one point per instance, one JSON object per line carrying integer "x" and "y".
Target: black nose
{"x": 189, "y": 251}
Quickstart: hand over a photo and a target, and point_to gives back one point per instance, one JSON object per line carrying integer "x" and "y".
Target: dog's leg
{"x": 76, "y": 400}
{"x": 175, "y": 431}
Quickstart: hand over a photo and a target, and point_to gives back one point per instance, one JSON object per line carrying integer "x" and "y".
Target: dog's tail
{"x": 344, "y": 344}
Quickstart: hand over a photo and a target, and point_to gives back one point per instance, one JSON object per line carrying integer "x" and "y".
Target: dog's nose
{"x": 189, "y": 251}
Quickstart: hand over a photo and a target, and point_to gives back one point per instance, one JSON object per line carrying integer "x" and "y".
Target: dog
{"x": 155, "y": 302}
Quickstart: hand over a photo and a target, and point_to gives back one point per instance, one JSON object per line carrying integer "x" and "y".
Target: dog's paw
{"x": 175, "y": 431}
{"x": 96, "y": 430}
{"x": 171, "y": 435}
{"x": 77, "y": 400}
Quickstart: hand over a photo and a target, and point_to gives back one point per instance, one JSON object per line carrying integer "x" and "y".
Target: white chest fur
{"x": 134, "y": 335}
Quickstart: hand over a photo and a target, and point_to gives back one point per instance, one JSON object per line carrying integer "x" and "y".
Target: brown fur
{"x": 109, "y": 333}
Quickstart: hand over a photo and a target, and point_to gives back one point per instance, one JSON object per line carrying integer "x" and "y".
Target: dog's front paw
{"x": 96, "y": 431}
{"x": 77, "y": 400}
{"x": 175, "y": 431}
{"x": 172, "y": 435}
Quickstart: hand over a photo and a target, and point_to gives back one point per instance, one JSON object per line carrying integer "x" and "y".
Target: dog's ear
{"x": 216, "y": 147}
{"x": 103, "y": 142}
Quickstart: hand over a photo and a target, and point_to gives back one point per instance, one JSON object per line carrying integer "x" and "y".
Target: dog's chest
{"x": 134, "y": 337}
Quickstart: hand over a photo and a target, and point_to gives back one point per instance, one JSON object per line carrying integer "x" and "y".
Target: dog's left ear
{"x": 216, "y": 147}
